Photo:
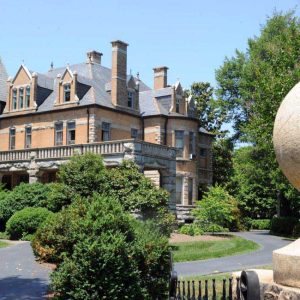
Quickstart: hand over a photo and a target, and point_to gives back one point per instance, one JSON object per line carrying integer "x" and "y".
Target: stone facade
{"x": 88, "y": 106}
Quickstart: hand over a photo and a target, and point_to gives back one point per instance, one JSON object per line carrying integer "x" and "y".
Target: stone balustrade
{"x": 103, "y": 148}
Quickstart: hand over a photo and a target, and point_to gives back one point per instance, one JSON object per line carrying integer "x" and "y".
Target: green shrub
{"x": 296, "y": 231}
{"x": 26, "y": 221}
{"x": 214, "y": 228}
{"x": 190, "y": 229}
{"x": 283, "y": 225}
{"x": 263, "y": 224}
{"x": 113, "y": 255}
{"x": 56, "y": 237}
{"x": 59, "y": 196}
{"x": 83, "y": 174}
{"x": 23, "y": 195}
{"x": 217, "y": 208}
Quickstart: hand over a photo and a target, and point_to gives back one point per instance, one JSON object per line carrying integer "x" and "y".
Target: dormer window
{"x": 177, "y": 105}
{"x": 67, "y": 92}
{"x": 130, "y": 99}
{"x": 14, "y": 99}
{"x": 21, "y": 98}
{"x": 27, "y": 97}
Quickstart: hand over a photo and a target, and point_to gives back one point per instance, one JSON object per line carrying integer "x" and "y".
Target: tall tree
{"x": 251, "y": 87}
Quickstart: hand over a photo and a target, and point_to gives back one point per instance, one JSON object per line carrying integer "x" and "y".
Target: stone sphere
{"x": 286, "y": 136}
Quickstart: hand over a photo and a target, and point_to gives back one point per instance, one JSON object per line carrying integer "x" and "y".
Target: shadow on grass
{"x": 15, "y": 287}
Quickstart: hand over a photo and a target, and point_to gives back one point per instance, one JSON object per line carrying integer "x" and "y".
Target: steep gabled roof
{"x": 3, "y": 84}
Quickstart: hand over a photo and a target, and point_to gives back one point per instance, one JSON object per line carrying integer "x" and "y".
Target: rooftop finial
{"x": 51, "y": 65}
{"x": 138, "y": 76}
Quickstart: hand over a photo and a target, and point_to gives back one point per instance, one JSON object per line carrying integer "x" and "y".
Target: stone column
{"x": 168, "y": 182}
{"x": 92, "y": 128}
{"x": 33, "y": 169}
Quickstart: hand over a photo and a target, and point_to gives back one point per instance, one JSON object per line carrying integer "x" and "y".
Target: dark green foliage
{"x": 263, "y": 224}
{"x": 251, "y": 87}
{"x": 56, "y": 237}
{"x": 113, "y": 256}
{"x": 296, "y": 231}
{"x": 83, "y": 174}
{"x": 222, "y": 153}
{"x": 208, "y": 110}
{"x": 23, "y": 195}
{"x": 26, "y": 221}
{"x": 283, "y": 225}
{"x": 59, "y": 196}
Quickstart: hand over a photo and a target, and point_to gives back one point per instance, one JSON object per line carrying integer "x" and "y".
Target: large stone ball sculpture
{"x": 286, "y": 137}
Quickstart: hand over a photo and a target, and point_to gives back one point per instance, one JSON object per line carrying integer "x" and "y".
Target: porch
{"x": 41, "y": 164}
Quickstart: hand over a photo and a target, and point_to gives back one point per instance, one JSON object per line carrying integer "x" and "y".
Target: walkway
{"x": 261, "y": 257}
{"x": 21, "y": 277}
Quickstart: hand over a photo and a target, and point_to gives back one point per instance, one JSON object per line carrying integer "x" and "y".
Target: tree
{"x": 217, "y": 208}
{"x": 222, "y": 152}
{"x": 251, "y": 87}
{"x": 208, "y": 110}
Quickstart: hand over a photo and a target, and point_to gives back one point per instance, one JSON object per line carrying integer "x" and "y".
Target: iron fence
{"x": 206, "y": 290}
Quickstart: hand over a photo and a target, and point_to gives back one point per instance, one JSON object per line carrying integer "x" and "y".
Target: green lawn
{"x": 3, "y": 244}
{"x": 211, "y": 249}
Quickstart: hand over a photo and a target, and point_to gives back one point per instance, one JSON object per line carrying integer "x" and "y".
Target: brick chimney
{"x": 94, "y": 57}
{"x": 160, "y": 77}
{"x": 119, "y": 73}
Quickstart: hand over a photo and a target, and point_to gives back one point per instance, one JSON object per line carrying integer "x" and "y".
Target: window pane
{"x": 12, "y": 138}
{"x": 14, "y": 99}
{"x": 71, "y": 132}
{"x": 134, "y": 133}
{"x": 178, "y": 190}
{"x": 105, "y": 131}
{"x": 59, "y": 134}
{"x": 192, "y": 141}
{"x": 21, "y": 98}
{"x": 179, "y": 139}
{"x": 67, "y": 92}
{"x": 130, "y": 99}
{"x": 27, "y": 99}
{"x": 27, "y": 137}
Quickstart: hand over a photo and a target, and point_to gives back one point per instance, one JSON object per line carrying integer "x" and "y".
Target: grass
{"x": 3, "y": 244}
{"x": 211, "y": 249}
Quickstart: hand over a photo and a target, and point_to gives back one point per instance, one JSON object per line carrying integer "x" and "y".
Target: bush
{"x": 56, "y": 237}
{"x": 113, "y": 255}
{"x": 283, "y": 225}
{"x": 296, "y": 231}
{"x": 263, "y": 224}
{"x": 214, "y": 228}
{"x": 83, "y": 174}
{"x": 217, "y": 208}
{"x": 191, "y": 229}
{"x": 26, "y": 221}
{"x": 23, "y": 195}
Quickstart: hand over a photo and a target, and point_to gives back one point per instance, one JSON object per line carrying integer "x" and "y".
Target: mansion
{"x": 45, "y": 118}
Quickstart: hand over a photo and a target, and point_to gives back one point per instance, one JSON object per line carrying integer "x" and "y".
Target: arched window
{"x": 21, "y": 98}
{"x": 14, "y": 99}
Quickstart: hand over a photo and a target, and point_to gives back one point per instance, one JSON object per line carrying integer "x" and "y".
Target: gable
{"x": 67, "y": 76}
{"x": 22, "y": 77}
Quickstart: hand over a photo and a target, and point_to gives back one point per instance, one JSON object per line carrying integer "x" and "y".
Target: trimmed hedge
{"x": 26, "y": 221}
{"x": 283, "y": 225}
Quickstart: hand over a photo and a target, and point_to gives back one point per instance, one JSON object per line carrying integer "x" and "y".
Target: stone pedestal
{"x": 286, "y": 265}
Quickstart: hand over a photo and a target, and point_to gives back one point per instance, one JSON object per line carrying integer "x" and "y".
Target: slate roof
{"x": 3, "y": 84}
{"x": 94, "y": 86}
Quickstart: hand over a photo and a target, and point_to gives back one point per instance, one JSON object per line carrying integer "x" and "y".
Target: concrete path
{"x": 21, "y": 277}
{"x": 260, "y": 257}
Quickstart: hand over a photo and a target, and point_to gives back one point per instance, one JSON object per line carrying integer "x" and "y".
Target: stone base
{"x": 183, "y": 213}
{"x": 286, "y": 265}
{"x": 269, "y": 290}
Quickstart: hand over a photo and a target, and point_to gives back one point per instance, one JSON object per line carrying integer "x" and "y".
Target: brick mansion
{"x": 45, "y": 118}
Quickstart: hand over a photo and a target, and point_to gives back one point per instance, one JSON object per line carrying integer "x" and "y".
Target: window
{"x": 12, "y": 138}
{"x": 190, "y": 183}
{"x": 179, "y": 181}
{"x": 105, "y": 131}
{"x": 177, "y": 105}
{"x": 14, "y": 99}
{"x": 134, "y": 133}
{"x": 28, "y": 130}
{"x": 71, "y": 133}
{"x": 21, "y": 98}
{"x": 130, "y": 99}
{"x": 67, "y": 92}
{"x": 203, "y": 152}
{"x": 58, "y": 139}
{"x": 27, "y": 97}
{"x": 179, "y": 143}
{"x": 192, "y": 142}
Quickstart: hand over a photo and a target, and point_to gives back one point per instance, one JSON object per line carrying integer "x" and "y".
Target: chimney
{"x": 119, "y": 73}
{"x": 160, "y": 77}
{"x": 94, "y": 57}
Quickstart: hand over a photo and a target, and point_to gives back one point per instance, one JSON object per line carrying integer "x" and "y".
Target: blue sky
{"x": 191, "y": 37}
